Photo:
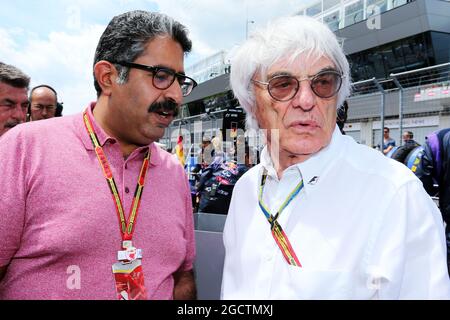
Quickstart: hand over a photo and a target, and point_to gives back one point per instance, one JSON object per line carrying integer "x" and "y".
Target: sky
{"x": 54, "y": 41}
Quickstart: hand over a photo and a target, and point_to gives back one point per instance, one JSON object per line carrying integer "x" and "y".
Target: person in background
{"x": 401, "y": 153}
{"x": 408, "y": 139}
{"x": 119, "y": 224}
{"x": 179, "y": 151}
{"x": 435, "y": 170}
{"x": 217, "y": 181}
{"x": 43, "y": 103}
{"x": 341, "y": 117}
{"x": 197, "y": 163}
{"x": 13, "y": 97}
{"x": 388, "y": 142}
{"x": 308, "y": 222}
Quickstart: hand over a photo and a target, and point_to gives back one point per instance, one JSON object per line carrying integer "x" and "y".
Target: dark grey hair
{"x": 13, "y": 76}
{"x": 126, "y": 36}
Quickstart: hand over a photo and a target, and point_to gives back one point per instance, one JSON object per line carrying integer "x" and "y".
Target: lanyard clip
{"x": 272, "y": 222}
{"x": 130, "y": 253}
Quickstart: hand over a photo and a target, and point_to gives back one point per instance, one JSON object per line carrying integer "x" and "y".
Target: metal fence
{"x": 414, "y": 99}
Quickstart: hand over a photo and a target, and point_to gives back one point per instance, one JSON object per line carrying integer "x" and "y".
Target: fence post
{"x": 382, "y": 110}
{"x": 400, "y": 106}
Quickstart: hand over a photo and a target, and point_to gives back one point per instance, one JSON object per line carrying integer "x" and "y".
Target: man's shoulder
{"x": 167, "y": 160}
{"x": 41, "y": 132}
{"x": 249, "y": 178}
{"x": 57, "y": 124}
{"x": 390, "y": 142}
{"x": 368, "y": 162}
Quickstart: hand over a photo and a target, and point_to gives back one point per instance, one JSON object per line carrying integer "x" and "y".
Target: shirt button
{"x": 127, "y": 190}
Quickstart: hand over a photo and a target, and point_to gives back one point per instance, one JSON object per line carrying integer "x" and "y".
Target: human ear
{"x": 105, "y": 73}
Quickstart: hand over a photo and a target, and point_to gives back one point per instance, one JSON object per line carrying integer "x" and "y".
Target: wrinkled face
{"x": 306, "y": 122}
{"x": 43, "y": 104}
{"x": 133, "y": 101}
{"x": 13, "y": 106}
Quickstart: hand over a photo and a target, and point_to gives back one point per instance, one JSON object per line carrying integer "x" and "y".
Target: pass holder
{"x": 129, "y": 253}
{"x": 128, "y": 274}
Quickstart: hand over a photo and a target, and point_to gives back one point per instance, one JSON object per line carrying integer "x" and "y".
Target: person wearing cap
{"x": 321, "y": 217}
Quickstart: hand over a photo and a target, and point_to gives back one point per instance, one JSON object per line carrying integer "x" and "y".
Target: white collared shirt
{"x": 362, "y": 227}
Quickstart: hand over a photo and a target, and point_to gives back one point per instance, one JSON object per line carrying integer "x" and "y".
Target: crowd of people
{"x": 309, "y": 208}
{"x": 214, "y": 172}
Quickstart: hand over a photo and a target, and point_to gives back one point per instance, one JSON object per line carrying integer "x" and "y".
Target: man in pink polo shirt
{"x": 91, "y": 208}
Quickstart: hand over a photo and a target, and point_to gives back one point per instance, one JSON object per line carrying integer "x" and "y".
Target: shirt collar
{"x": 103, "y": 137}
{"x": 101, "y": 134}
{"x": 312, "y": 169}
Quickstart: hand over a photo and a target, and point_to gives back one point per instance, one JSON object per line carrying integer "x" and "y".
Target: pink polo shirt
{"x": 59, "y": 230}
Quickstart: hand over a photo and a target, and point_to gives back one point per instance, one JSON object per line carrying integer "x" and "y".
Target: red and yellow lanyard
{"x": 126, "y": 228}
{"x": 277, "y": 232}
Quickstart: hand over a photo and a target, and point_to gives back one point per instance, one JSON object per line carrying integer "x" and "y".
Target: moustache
{"x": 164, "y": 108}
{"x": 11, "y": 124}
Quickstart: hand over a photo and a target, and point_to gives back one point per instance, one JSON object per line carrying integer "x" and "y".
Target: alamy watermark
{"x": 73, "y": 18}
{"x": 74, "y": 280}
{"x": 229, "y": 144}
{"x": 374, "y": 20}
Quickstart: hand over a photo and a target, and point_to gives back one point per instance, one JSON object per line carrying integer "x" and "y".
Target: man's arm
{"x": 409, "y": 251}
{"x": 389, "y": 148}
{"x": 14, "y": 174}
{"x": 2, "y": 272}
{"x": 184, "y": 286}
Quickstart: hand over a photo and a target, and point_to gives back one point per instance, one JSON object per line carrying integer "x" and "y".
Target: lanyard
{"x": 126, "y": 229}
{"x": 277, "y": 232}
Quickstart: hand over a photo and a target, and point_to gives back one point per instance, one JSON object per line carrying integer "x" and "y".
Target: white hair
{"x": 287, "y": 37}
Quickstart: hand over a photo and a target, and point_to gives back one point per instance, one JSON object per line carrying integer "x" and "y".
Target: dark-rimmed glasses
{"x": 324, "y": 84}
{"x": 163, "y": 77}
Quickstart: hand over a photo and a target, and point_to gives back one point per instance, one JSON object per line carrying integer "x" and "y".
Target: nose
{"x": 174, "y": 93}
{"x": 305, "y": 97}
{"x": 19, "y": 113}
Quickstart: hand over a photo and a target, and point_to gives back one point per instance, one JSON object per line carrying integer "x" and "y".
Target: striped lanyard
{"x": 126, "y": 228}
{"x": 277, "y": 232}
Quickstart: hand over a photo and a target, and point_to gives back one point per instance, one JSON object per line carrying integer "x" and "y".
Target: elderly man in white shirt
{"x": 321, "y": 217}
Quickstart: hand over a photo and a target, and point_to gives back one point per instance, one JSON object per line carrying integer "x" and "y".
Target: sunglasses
{"x": 324, "y": 84}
